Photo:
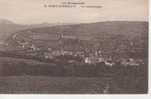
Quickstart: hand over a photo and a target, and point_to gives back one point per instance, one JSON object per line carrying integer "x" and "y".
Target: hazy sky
{"x": 32, "y": 11}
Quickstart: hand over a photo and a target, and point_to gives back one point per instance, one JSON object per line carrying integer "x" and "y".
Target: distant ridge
{"x": 110, "y": 27}
{"x": 8, "y": 27}
{"x": 4, "y": 21}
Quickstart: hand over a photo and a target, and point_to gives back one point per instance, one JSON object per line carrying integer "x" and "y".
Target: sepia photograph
{"x": 74, "y": 46}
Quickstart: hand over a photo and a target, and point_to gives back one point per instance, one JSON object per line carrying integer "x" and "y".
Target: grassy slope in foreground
{"x": 41, "y": 84}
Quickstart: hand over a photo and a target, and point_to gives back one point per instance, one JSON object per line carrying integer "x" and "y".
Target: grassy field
{"x": 64, "y": 85}
{"x": 41, "y": 84}
{"x": 30, "y": 76}
{"x": 21, "y": 82}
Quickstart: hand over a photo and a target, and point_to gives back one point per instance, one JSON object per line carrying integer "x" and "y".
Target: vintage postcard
{"x": 74, "y": 46}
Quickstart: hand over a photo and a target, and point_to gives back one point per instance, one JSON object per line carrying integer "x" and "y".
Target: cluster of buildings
{"x": 92, "y": 58}
{"x": 55, "y": 48}
{"x": 85, "y": 56}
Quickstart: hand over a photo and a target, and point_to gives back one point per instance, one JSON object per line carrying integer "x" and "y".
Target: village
{"x": 92, "y": 58}
{"x": 68, "y": 49}
{"x": 86, "y": 57}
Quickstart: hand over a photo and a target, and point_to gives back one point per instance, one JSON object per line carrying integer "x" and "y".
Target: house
{"x": 109, "y": 63}
{"x": 130, "y": 62}
{"x": 56, "y": 53}
{"x": 48, "y": 55}
{"x": 93, "y": 60}
{"x": 100, "y": 59}
{"x": 87, "y": 60}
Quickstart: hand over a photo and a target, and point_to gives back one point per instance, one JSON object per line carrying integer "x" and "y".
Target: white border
{"x": 75, "y": 96}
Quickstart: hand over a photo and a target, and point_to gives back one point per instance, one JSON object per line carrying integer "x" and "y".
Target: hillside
{"x": 117, "y": 38}
{"x": 7, "y": 27}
